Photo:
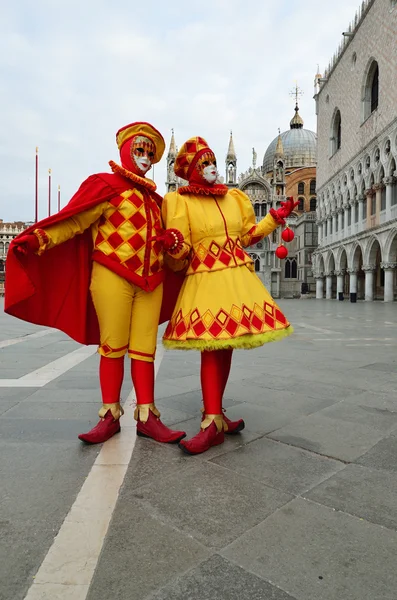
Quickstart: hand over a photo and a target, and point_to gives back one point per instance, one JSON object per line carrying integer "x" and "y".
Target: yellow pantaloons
{"x": 128, "y": 316}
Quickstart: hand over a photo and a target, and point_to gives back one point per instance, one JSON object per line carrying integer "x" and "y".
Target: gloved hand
{"x": 284, "y": 211}
{"x": 28, "y": 243}
{"x": 171, "y": 240}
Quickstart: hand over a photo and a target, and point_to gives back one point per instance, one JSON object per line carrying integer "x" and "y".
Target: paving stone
{"x": 378, "y": 419}
{"x": 218, "y": 579}
{"x": 141, "y": 555}
{"x": 334, "y": 438}
{"x": 209, "y": 503}
{"x": 366, "y": 493}
{"x": 285, "y": 401}
{"x": 283, "y": 467}
{"x": 382, "y": 455}
{"x": 317, "y": 553}
{"x": 44, "y": 430}
{"x": 6, "y": 405}
{"x": 39, "y": 483}
{"x": 382, "y": 401}
{"x": 53, "y": 410}
{"x": 259, "y": 419}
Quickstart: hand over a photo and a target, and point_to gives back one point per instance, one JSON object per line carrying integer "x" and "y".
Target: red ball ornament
{"x": 281, "y": 252}
{"x": 288, "y": 235}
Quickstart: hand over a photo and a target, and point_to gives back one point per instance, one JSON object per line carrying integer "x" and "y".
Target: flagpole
{"x": 36, "y": 199}
{"x": 49, "y": 192}
{"x": 59, "y": 198}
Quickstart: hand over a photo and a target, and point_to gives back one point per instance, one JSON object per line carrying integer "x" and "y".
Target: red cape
{"x": 53, "y": 289}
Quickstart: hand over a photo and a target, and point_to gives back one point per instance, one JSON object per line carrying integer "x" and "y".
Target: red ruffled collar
{"x": 146, "y": 183}
{"x": 211, "y": 190}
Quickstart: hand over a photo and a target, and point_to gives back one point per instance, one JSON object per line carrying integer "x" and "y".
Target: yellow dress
{"x": 222, "y": 302}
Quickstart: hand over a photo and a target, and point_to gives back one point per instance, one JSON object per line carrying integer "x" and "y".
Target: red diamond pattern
{"x": 225, "y": 323}
{"x": 115, "y": 240}
{"x": 116, "y": 219}
{"x": 136, "y": 242}
{"x": 133, "y": 263}
{"x": 136, "y": 200}
{"x": 138, "y": 220}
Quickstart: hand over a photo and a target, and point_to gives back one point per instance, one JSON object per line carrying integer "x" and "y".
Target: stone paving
{"x": 302, "y": 505}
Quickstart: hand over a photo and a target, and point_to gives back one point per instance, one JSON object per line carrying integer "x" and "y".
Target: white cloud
{"x": 72, "y": 73}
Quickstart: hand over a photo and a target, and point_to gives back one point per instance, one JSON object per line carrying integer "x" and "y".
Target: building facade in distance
{"x": 356, "y": 105}
{"x": 7, "y": 233}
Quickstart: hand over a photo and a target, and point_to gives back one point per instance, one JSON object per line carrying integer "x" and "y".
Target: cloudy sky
{"x": 72, "y": 72}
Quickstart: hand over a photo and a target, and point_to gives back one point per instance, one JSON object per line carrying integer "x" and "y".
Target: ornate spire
{"x": 279, "y": 148}
{"x": 172, "y": 149}
{"x": 296, "y": 121}
{"x": 231, "y": 153}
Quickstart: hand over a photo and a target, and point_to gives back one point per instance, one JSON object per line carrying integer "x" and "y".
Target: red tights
{"x": 111, "y": 374}
{"x": 215, "y": 369}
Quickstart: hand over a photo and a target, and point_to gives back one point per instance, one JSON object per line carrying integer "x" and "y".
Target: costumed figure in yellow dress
{"x": 222, "y": 304}
{"x": 95, "y": 271}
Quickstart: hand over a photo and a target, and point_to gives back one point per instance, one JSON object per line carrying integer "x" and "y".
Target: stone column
{"x": 369, "y": 282}
{"x": 389, "y": 269}
{"x": 346, "y": 219}
{"x": 353, "y": 281}
{"x": 360, "y": 210}
{"x": 388, "y": 181}
{"x": 334, "y": 217}
{"x": 378, "y": 191}
{"x": 328, "y": 285}
{"x": 319, "y": 287}
{"x": 340, "y": 279}
{"x": 340, "y": 225}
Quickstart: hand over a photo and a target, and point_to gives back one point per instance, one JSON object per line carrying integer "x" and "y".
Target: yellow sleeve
{"x": 252, "y": 232}
{"x": 175, "y": 215}
{"x": 67, "y": 229}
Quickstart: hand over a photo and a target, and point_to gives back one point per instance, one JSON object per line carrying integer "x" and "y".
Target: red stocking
{"x": 111, "y": 374}
{"x": 226, "y": 365}
{"x": 142, "y": 374}
{"x": 212, "y": 381}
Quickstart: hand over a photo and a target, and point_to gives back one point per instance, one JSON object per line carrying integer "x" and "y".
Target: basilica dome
{"x": 299, "y": 145}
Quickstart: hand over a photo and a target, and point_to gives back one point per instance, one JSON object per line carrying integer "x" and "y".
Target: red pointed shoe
{"x": 103, "y": 431}
{"x": 233, "y": 427}
{"x": 156, "y": 430}
{"x": 203, "y": 441}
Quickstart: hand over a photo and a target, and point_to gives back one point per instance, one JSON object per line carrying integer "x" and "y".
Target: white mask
{"x": 143, "y": 163}
{"x": 210, "y": 173}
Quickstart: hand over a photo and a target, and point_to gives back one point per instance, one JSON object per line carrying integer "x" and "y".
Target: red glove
{"x": 28, "y": 243}
{"x": 284, "y": 211}
{"x": 171, "y": 240}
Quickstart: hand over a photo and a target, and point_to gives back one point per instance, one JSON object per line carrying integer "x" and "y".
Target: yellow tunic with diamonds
{"x": 127, "y": 275}
{"x": 222, "y": 303}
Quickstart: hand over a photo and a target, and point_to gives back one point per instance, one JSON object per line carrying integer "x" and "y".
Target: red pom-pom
{"x": 288, "y": 235}
{"x": 281, "y": 252}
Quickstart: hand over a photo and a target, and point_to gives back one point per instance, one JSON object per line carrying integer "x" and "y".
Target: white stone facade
{"x": 356, "y": 104}
{"x": 8, "y": 231}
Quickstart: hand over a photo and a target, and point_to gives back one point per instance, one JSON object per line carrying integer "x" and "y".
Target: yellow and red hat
{"x": 188, "y": 156}
{"x": 140, "y": 128}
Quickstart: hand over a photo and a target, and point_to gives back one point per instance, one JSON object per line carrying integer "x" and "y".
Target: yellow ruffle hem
{"x": 229, "y": 308}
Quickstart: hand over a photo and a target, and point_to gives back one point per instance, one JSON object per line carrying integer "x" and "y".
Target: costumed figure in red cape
{"x": 95, "y": 271}
{"x": 222, "y": 304}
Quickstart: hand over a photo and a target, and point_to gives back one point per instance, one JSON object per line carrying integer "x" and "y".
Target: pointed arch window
{"x": 301, "y": 187}
{"x": 336, "y": 132}
{"x": 290, "y": 268}
{"x": 370, "y": 90}
{"x": 301, "y": 205}
{"x": 313, "y": 186}
{"x": 313, "y": 204}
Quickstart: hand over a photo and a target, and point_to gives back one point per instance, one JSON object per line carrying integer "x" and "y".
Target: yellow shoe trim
{"x": 217, "y": 419}
{"x": 116, "y": 409}
{"x": 141, "y": 412}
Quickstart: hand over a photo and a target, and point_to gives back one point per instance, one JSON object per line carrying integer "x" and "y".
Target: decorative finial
{"x": 297, "y": 92}
{"x": 254, "y": 157}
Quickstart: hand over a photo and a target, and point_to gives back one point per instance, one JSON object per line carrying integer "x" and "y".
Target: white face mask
{"x": 210, "y": 173}
{"x": 142, "y": 153}
{"x": 143, "y": 163}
